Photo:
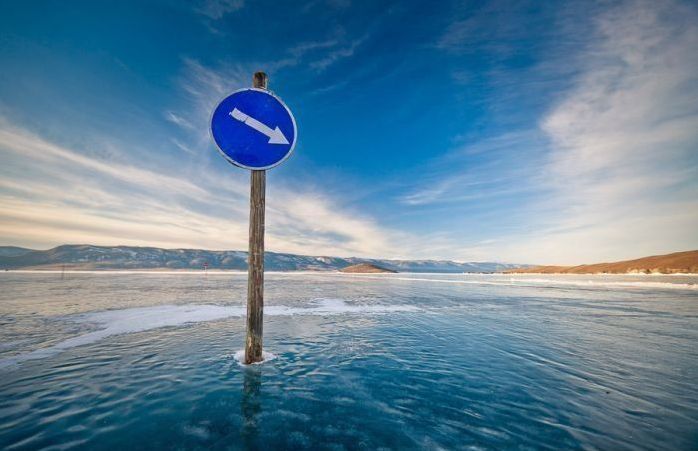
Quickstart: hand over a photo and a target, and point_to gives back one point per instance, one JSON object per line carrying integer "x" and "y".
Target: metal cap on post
{"x": 255, "y": 256}
{"x": 259, "y": 80}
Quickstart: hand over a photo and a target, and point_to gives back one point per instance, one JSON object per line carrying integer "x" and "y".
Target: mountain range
{"x": 89, "y": 257}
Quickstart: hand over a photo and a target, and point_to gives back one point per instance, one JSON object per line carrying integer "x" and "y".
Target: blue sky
{"x": 543, "y": 132}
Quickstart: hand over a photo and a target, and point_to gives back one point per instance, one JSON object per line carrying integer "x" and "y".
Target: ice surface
{"x": 560, "y": 280}
{"x": 601, "y": 365}
{"x": 139, "y": 319}
{"x": 609, "y": 284}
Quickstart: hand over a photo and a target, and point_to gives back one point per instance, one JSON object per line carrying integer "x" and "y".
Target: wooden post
{"x": 255, "y": 257}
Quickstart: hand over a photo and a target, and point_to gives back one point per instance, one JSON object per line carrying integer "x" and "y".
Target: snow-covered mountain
{"x": 131, "y": 257}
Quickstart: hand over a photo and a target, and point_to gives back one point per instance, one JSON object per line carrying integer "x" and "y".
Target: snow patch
{"x": 240, "y": 357}
{"x": 140, "y": 319}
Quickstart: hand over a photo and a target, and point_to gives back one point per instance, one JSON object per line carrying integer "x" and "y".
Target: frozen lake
{"x": 400, "y": 361}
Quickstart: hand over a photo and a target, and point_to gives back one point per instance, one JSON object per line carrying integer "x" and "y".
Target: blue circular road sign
{"x": 254, "y": 129}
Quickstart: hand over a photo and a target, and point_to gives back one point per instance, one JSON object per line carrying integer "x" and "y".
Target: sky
{"x": 512, "y": 131}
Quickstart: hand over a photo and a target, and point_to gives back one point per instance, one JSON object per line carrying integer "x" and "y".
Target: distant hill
{"x": 88, "y": 257}
{"x": 366, "y": 268}
{"x": 678, "y": 262}
{"x": 13, "y": 251}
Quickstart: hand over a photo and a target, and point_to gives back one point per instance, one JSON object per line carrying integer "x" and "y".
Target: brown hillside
{"x": 676, "y": 263}
{"x": 365, "y": 268}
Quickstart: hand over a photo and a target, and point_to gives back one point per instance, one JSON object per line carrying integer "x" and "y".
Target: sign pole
{"x": 254, "y": 130}
{"x": 255, "y": 256}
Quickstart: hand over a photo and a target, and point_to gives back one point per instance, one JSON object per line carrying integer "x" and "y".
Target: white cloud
{"x": 51, "y": 194}
{"x": 26, "y": 146}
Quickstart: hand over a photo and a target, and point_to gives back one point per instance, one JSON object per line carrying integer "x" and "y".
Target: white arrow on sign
{"x": 275, "y": 135}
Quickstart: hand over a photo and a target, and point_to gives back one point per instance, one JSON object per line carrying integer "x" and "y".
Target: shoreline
{"x": 332, "y": 272}
{"x": 601, "y": 274}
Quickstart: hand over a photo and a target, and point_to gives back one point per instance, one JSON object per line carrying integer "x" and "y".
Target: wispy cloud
{"x": 321, "y": 54}
{"x": 623, "y": 169}
{"x": 336, "y": 4}
{"x": 180, "y": 145}
{"x": 486, "y": 168}
{"x": 216, "y": 9}
{"x": 492, "y": 27}
{"x": 603, "y": 166}
{"x": 612, "y": 171}
{"x": 201, "y": 89}
{"x": 457, "y": 35}
{"x": 296, "y": 54}
{"x": 26, "y": 146}
{"x": 178, "y": 120}
{"x": 338, "y": 54}
{"x": 308, "y": 46}
{"x": 80, "y": 196}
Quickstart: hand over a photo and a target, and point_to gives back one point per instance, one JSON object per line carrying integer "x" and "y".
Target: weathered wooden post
{"x": 254, "y": 130}
{"x": 255, "y": 256}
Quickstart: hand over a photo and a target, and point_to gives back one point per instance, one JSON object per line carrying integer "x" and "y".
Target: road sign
{"x": 254, "y": 129}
